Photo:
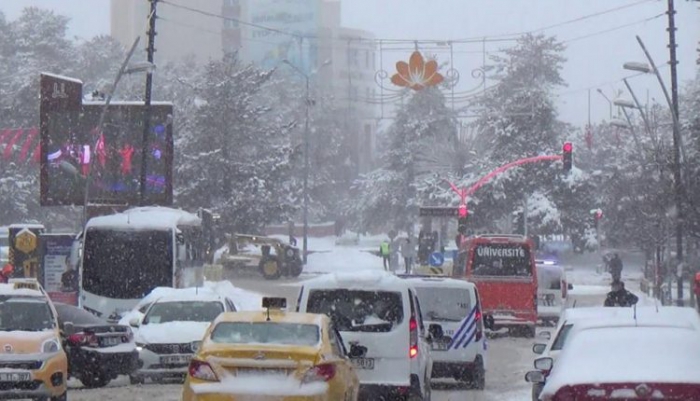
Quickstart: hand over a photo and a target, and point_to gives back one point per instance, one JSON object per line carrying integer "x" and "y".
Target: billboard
{"x": 267, "y": 48}
{"x": 59, "y": 276}
{"x": 73, "y": 144}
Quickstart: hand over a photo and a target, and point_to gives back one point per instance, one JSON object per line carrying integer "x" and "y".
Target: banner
{"x": 59, "y": 276}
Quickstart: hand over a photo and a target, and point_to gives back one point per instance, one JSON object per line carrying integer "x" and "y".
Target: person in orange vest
{"x": 696, "y": 289}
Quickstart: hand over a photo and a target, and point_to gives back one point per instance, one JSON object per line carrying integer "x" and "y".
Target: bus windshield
{"x": 504, "y": 260}
{"x": 127, "y": 264}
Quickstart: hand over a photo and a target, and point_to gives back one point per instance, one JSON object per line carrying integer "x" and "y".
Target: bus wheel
{"x": 270, "y": 269}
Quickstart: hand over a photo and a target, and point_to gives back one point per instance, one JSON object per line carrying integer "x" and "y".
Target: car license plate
{"x": 15, "y": 377}
{"x": 440, "y": 346}
{"x": 111, "y": 341}
{"x": 363, "y": 363}
{"x": 175, "y": 359}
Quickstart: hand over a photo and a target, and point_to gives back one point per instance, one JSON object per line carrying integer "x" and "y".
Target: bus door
{"x": 504, "y": 271}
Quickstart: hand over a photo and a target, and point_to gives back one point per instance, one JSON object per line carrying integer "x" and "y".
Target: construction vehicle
{"x": 270, "y": 256}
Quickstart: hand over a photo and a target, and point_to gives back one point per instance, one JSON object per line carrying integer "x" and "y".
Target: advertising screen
{"x": 73, "y": 144}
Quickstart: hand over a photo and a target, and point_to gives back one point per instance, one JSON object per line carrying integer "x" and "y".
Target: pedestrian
{"x": 394, "y": 254}
{"x": 408, "y": 251}
{"x": 696, "y": 289}
{"x": 619, "y": 296}
{"x": 616, "y": 267}
{"x": 384, "y": 252}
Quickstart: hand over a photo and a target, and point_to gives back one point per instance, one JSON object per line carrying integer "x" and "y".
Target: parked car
{"x": 579, "y": 320}
{"x": 459, "y": 347}
{"x": 633, "y": 362}
{"x": 271, "y": 355}
{"x": 97, "y": 351}
{"x": 380, "y": 314}
{"x": 171, "y": 330}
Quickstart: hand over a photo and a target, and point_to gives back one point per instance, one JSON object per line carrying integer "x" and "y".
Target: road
{"x": 508, "y": 360}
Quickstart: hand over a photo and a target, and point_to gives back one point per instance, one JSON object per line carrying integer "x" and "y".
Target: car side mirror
{"x": 435, "y": 331}
{"x": 357, "y": 351}
{"x": 544, "y": 363}
{"x": 545, "y": 334}
{"x": 489, "y": 322}
{"x": 539, "y": 348}
{"x": 68, "y": 329}
{"x": 570, "y": 286}
{"x": 534, "y": 376}
{"x": 135, "y": 322}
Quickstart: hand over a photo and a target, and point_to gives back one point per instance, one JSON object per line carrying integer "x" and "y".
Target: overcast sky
{"x": 594, "y": 61}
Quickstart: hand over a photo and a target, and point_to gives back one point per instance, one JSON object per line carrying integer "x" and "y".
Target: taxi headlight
{"x": 51, "y": 345}
{"x": 194, "y": 346}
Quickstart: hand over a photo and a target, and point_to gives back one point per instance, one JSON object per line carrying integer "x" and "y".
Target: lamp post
{"x": 678, "y": 188}
{"x": 608, "y": 100}
{"x": 125, "y": 69}
{"x": 307, "y": 103}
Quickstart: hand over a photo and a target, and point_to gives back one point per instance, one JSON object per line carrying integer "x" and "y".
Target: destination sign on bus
{"x": 490, "y": 251}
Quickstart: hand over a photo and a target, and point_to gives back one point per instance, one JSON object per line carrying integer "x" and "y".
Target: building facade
{"x": 306, "y": 33}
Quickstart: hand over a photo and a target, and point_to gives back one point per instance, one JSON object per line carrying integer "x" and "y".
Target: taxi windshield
{"x": 25, "y": 314}
{"x": 183, "y": 311}
{"x": 266, "y": 333}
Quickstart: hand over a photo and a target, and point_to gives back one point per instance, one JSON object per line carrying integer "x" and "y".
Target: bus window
{"x": 504, "y": 260}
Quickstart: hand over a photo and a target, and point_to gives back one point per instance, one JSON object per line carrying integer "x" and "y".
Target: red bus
{"x": 503, "y": 268}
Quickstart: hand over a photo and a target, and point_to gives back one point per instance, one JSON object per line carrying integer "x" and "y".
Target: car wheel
{"x": 478, "y": 376}
{"x": 134, "y": 380}
{"x": 94, "y": 381}
{"x": 270, "y": 268}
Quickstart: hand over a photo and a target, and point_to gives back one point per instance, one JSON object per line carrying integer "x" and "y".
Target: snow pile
{"x": 342, "y": 260}
{"x": 270, "y": 385}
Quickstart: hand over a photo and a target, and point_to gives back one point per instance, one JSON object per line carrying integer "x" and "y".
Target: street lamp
{"x": 677, "y": 146}
{"x": 608, "y": 100}
{"x": 307, "y": 103}
{"x": 624, "y": 103}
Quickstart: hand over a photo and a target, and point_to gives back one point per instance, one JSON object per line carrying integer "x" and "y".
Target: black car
{"x": 97, "y": 351}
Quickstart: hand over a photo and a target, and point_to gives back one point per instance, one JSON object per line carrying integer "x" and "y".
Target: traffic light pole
{"x": 147, "y": 103}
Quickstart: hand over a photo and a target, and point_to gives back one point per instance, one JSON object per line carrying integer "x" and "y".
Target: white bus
{"x": 128, "y": 254}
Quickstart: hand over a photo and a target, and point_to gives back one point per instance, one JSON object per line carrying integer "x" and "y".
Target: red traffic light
{"x": 568, "y": 147}
{"x": 568, "y": 156}
{"x": 598, "y": 214}
{"x": 462, "y": 210}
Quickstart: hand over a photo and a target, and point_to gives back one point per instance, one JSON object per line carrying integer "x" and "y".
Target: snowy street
{"x": 508, "y": 358}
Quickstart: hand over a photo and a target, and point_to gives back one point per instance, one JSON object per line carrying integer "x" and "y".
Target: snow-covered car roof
{"x": 9, "y": 289}
{"x": 427, "y": 281}
{"x": 203, "y": 294}
{"x": 362, "y": 279}
{"x": 634, "y": 354}
{"x": 663, "y": 316}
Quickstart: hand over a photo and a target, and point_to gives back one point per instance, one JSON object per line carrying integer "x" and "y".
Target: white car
{"x": 552, "y": 289}
{"x": 576, "y": 320}
{"x": 459, "y": 350}
{"x": 379, "y": 317}
{"x": 636, "y": 361}
{"x": 171, "y": 330}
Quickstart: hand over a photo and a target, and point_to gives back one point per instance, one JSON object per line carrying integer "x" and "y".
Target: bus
{"x": 126, "y": 255}
{"x": 503, "y": 268}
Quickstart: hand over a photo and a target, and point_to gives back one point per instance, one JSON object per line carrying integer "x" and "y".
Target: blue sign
{"x": 436, "y": 259}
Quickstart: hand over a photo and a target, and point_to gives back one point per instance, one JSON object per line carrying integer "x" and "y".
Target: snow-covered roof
{"x": 362, "y": 279}
{"x": 63, "y": 77}
{"x": 201, "y": 294}
{"x": 9, "y": 289}
{"x": 126, "y": 103}
{"x": 27, "y": 225}
{"x": 627, "y": 355}
{"x": 146, "y": 218}
{"x": 671, "y": 316}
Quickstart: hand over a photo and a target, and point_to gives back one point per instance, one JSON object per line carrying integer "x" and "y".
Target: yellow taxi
{"x": 32, "y": 361}
{"x": 271, "y": 355}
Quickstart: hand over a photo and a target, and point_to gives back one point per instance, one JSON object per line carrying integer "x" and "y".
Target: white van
{"x": 552, "y": 290}
{"x": 378, "y": 316}
{"x": 454, "y": 306}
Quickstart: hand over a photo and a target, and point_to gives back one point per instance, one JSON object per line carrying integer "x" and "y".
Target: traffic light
{"x": 462, "y": 220}
{"x": 567, "y": 155}
{"x": 597, "y": 216}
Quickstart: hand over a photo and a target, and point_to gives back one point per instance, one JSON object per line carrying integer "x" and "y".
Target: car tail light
{"x": 479, "y": 327}
{"x": 413, "y": 337}
{"x": 323, "y": 372}
{"x": 202, "y": 370}
{"x": 83, "y": 339}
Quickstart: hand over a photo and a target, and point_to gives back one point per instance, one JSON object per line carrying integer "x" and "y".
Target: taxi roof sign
{"x": 25, "y": 283}
{"x": 274, "y": 303}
